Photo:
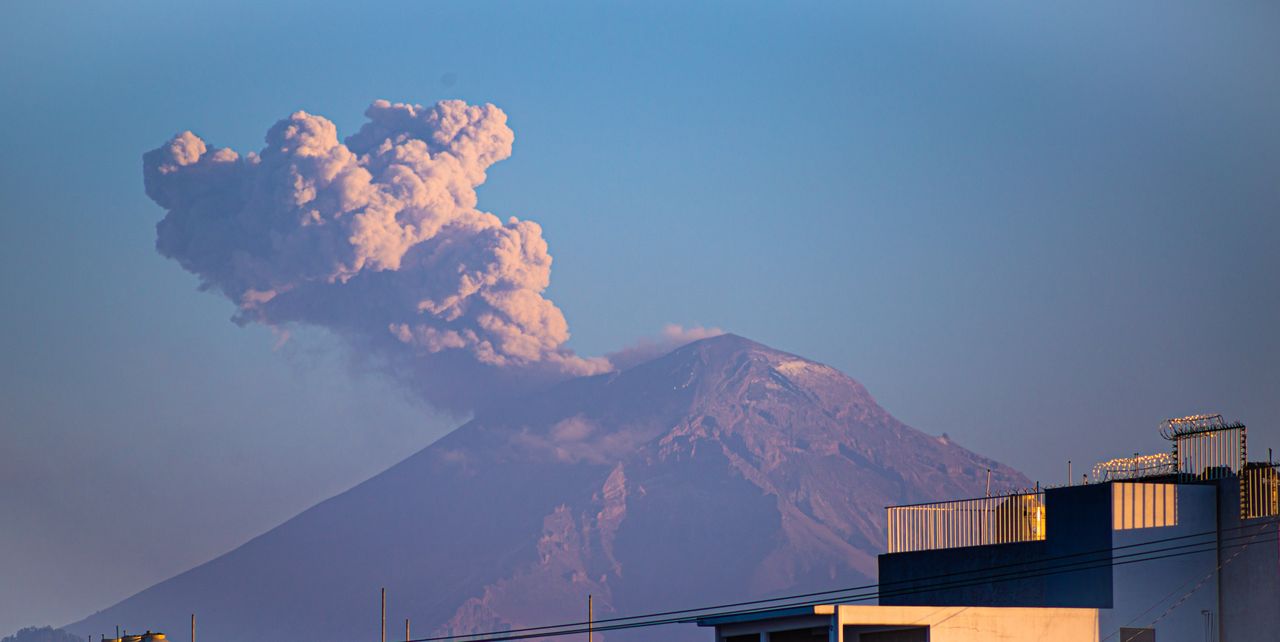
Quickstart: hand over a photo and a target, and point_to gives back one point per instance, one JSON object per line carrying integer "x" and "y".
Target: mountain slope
{"x": 724, "y": 470}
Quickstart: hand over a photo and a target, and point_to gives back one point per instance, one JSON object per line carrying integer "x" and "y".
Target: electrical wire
{"x": 1198, "y": 586}
{"x": 498, "y": 636}
{"x": 985, "y": 569}
{"x": 688, "y": 615}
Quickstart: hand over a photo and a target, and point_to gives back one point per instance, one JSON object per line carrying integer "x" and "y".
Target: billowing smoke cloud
{"x": 376, "y": 238}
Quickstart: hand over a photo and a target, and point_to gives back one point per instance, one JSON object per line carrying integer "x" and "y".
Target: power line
{"x": 498, "y": 637}
{"x": 562, "y": 629}
{"x": 833, "y": 592}
{"x": 1185, "y": 596}
{"x": 687, "y": 615}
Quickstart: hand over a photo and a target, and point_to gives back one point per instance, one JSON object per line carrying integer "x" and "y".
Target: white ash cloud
{"x": 378, "y": 239}
{"x": 673, "y": 336}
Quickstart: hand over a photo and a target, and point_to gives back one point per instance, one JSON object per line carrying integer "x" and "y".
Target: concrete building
{"x": 1167, "y": 548}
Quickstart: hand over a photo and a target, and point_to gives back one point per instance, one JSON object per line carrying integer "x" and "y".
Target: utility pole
{"x": 1070, "y": 477}
{"x": 193, "y": 627}
{"x": 988, "y": 482}
{"x": 384, "y": 615}
{"x": 588, "y": 617}
{"x": 406, "y": 630}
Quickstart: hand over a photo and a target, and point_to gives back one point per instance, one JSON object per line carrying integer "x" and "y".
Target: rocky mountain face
{"x": 722, "y": 471}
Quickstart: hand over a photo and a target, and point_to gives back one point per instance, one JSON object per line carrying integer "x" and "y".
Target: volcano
{"x": 722, "y": 471}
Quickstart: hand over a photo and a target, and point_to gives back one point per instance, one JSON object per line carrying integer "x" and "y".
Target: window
{"x": 1137, "y": 635}
{"x": 1143, "y": 505}
{"x": 919, "y": 634}
{"x": 817, "y": 634}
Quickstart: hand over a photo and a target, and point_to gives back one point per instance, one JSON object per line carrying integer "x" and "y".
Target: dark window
{"x": 1137, "y": 635}
{"x": 799, "y": 635}
{"x": 753, "y": 637}
{"x": 900, "y": 635}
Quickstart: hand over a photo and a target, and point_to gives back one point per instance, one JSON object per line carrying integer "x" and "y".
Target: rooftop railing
{"x": 1259, "y": 491}
{"x": 967, "y": 522}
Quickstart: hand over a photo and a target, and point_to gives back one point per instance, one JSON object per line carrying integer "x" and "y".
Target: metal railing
{"x": 1136, "y": 467}
{"x": 1206, "y": 446}
{"x": 967, "y": 522}
{"x": 1259, "y": 491}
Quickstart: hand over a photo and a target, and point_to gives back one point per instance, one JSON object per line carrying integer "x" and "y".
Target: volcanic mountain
{"x": 722, "y": 471}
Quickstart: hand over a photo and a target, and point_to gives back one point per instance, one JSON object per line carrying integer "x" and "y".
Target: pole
{"x": 406, "y": 630}
{"x": 988, "y": 482}
{"x": 193, "y": 627}
{"x": 588, "y": 617}
{"x": 384, "y": 615}
{"x": 1070, "y": 476}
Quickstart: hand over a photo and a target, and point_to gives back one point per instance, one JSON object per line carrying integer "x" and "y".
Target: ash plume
{"x": 378, "y": 239}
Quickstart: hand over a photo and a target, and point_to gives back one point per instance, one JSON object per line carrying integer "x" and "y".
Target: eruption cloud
{"x": 378, "y": 239}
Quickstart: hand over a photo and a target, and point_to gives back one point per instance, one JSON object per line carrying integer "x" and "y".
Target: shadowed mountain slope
{"x": 722, "y": 471}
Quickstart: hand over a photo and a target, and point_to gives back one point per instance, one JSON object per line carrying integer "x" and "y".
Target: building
{"x": 1174, "y": 547}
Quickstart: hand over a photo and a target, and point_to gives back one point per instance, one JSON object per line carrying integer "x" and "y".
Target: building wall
{"x": 1250, "y": 575}
{"x": 978, "y": 624}
{"x": 1147, "y": 591}
{"x": 1068, "y": 569}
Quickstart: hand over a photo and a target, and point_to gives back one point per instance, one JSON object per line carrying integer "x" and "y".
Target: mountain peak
{"x": 729, "y": 343}
{"x": 725, "y": 355}
{"x": 743, "y": 470}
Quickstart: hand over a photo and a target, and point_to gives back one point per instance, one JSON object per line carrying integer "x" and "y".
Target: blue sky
{"x": 1040, "y": 229}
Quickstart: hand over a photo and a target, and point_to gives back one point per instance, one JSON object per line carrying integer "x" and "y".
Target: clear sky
{"x": 1037, "y": 227}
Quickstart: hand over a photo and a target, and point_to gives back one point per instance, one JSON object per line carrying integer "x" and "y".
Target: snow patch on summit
{"x": 801, "y": 367}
